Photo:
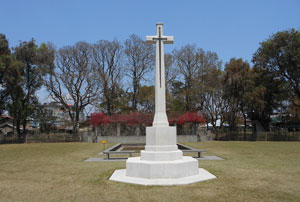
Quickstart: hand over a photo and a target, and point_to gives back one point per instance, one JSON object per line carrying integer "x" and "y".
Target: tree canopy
{"x": 280, "y": 55}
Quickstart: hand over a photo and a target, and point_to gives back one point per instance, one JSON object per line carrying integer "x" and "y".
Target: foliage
{"x": 134, "y": 118}
{"x": 45, "y": 118}
{"x": 22, "y": 77}
{"x": 191, "y": 117}
{"x": 280, "y": 55}
{"x": 175, "y": 97}
{"x": 98, "y": 119}
{"x": 238, "y": 82}
{"x": 5, "y": 62}
{"x": 146, "y": 98}
{"x": 266, "y": 95}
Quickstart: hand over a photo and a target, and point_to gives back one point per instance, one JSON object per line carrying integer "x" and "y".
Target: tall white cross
{"x": 160, "y": 117}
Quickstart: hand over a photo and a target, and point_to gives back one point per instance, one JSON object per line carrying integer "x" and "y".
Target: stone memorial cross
{"x": 161, "y": 163}
{"x": 160, "y": 117}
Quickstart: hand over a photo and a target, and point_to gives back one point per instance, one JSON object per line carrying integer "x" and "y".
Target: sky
{"x": 231, "y": 28}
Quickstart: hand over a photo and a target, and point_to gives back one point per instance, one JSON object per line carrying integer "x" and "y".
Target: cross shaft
{"x": 160, "y": 117}
{"x": 159, "y": 39}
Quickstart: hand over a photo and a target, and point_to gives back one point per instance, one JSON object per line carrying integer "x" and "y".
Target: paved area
{"x": 124, "y": 159}
{"x": 104, "y": 159}
{"x": 210, "y": 158}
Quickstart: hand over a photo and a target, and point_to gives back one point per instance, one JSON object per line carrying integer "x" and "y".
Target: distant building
{"x": 58, "y": 115}
{"x": 6, "y": 124}
{"x": 52, "y": 115}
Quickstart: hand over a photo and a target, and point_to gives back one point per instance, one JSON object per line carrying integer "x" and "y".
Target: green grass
{"x": 252, "y": 171}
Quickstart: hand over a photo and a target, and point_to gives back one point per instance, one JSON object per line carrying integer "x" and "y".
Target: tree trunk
{"x": 18, "y": 125}
{"x": 245, "y": 126}
{"x": 24, "y": 131}
{"x": 74, "y": 131}
{"x": 134, "y": 95}
{"x": 94, "y": 137}
{"x": 108, "y": 105}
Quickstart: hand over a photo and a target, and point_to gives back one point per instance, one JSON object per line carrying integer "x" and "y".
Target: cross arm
{"x": 149, "y": 39}
{"x": 165, "y": 39}
{"x": 170, "y": 40}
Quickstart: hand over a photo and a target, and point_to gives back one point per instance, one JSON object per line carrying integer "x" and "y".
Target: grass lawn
{"x": 252, "y": 171}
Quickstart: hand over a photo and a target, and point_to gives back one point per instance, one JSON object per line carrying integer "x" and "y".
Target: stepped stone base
{"x": 120, "y": 176}
{"x": 161, "y": 163}
{"x": 187, "y": 166}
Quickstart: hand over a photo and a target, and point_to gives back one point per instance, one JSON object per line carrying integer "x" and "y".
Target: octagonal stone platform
{"x": 184, "y": 167}
{"x": 203, "y": 175}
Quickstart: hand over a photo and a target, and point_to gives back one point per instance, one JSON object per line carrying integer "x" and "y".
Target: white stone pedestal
{"x": 161, "y": 163}
{"x": 120, "y": 176}
{"x": 161, "y": 158}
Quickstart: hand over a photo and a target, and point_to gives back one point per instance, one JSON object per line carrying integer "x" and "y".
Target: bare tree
{"x": 170, "y": 70}
{"x": 106, "y": 57}
{"x": 214, "y": 105}
{"x": 140, "y": 60}
{"x": 170, "y": 74}
{"x": 208, "y": 68}
{"x": 187, "y": 60}
{"x": 73, "y": 75}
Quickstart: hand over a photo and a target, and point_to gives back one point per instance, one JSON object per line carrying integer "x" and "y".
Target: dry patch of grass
{"x": 252, "y": 171}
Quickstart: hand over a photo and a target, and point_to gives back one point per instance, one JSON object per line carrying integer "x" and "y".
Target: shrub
{"x": 136, "y": 118}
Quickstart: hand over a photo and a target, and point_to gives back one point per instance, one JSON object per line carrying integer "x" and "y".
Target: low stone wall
{"x": 137, "y": 139}
{"x": 40, "y": 137}
{"x": 116, "y": 132}
{"x": 258, "y": 136}
{"x": 122, "y": 139}
{"x": 277, "y": 136}
{"x": 188, "y": 138}
{"x": 120, "y": 129}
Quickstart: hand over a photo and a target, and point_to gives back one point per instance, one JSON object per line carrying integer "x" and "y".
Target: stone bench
{"x": 199, "y": 151}
{"x": 117, "y": 152}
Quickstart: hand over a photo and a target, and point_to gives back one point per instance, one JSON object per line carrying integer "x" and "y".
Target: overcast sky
{"x": 229, "y": 28}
